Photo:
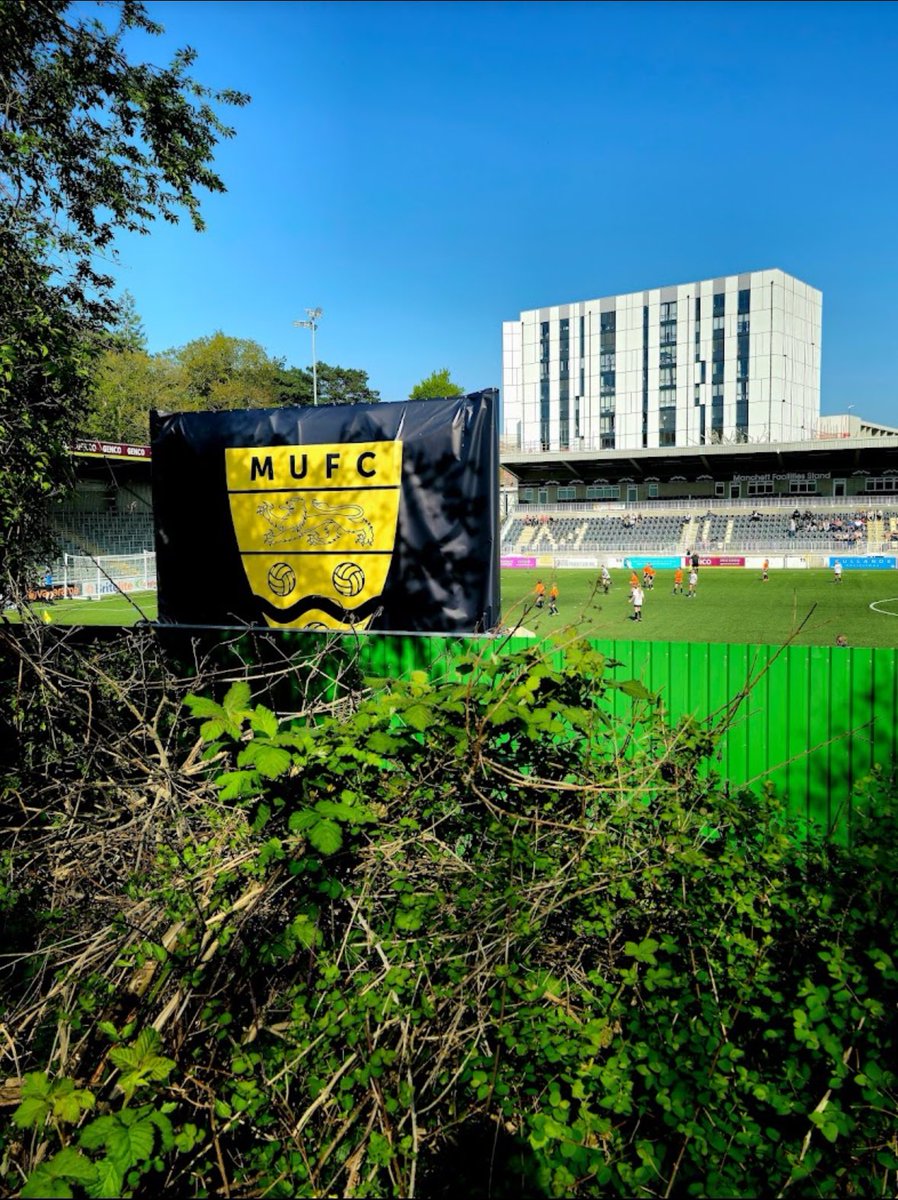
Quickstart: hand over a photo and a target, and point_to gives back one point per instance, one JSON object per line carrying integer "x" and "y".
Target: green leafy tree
{"x": 126, "y": 385}
{"x": 344, "y": 385}
{"x": 336, "y": 385}
{"x": 221, "y": 372}
{"x": 436, "y": 386}
{"x": 91, "y": 143}
{"x": 127, "y": 332}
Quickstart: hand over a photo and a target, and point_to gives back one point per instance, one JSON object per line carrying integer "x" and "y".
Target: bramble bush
{"x": 504, "y": 933}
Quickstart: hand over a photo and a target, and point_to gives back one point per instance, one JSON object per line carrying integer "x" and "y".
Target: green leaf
{"x": 271, "y": 761}
{"x": 304, "y": 929}
{"x": 70, "y": 1104}
{"x": 109, "y": 1181}
{"x": 129, "y": 1145}
{"x": 419, "y": 716}
{"x": 237, "y": 699}
{"x": 202, "y": 706}
{"x": 71, "y": 1164}
{"x": 236, "y": 785}
{"x": 304, "y": 819}
{"x": 43, "y": 1185}
{"x": 326, "y": 836}
{"x": 263, "y": 720}
{"x": 31, "y": 1112}
{"x": 635, "y": 689}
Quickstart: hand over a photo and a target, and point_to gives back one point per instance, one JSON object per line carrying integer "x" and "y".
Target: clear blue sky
{"x": 424, "y": 171}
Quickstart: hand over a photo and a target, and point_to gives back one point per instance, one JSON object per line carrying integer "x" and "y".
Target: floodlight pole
{"x": 313, "y": 314}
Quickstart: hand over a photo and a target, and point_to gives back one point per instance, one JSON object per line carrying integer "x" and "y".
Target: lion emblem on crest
{"x": 292, "y": 521}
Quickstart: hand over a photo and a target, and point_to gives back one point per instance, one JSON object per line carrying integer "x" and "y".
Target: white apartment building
{"x": 728, "y": 360}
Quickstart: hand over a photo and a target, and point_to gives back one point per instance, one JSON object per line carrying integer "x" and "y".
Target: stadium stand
{"x": 815, "y": 529}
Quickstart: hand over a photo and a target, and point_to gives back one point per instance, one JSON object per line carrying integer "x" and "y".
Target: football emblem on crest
{"x": 348, "y": 578}
{"x": 281, "y": 579}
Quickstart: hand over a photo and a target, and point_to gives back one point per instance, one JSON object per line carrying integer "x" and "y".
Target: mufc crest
{"x": 316, "y": 528}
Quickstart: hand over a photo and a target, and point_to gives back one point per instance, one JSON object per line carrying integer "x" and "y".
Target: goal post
{"x": 86, "y": 577}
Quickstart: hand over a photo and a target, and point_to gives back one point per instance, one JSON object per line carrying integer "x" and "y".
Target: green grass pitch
{"x": 731, "y": 605}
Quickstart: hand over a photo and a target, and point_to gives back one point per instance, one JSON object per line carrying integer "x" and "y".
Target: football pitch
{"x": 730, "y": 605}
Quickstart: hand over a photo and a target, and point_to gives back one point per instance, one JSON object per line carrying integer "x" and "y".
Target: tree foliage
{"x": 90, "y": 143}
{"x": 436, "y": 386}
{"x": 503, "y": 932}
{"x": 207, "y": 374}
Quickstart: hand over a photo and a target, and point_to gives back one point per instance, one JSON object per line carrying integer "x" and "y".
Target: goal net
{"x": 90, "y": 578}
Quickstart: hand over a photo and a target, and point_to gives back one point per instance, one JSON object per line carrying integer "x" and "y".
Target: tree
{"x": 221, "y": 372}
{"x": 127, "y": 332}
{"x": 126, "y": 385}
{"x": 436, "y": 386}
{"x": 336, "y": 385}
{"x": 344, "y": 385}
{"x": 90, "y": 144}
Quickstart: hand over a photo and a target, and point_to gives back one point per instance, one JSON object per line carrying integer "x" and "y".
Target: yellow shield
{"x": 316, "y": 527}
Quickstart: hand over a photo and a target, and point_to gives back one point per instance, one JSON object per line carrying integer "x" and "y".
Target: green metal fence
{"x": 814, "y": 720}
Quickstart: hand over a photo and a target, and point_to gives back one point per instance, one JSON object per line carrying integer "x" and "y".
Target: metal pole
{"x": 312, "y": 323}
{"x": 314, "y": 368}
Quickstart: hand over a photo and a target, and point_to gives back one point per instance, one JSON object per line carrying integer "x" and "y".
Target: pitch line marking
{"x": 884, "y": 611}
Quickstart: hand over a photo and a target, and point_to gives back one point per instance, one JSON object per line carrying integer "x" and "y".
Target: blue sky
{"x": 424, "y": 171}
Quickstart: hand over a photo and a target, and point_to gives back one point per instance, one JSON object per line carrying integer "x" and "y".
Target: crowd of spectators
{"x": 841, "y": 529}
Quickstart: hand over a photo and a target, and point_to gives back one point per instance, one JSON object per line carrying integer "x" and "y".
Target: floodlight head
{"x": 313, "y": 313}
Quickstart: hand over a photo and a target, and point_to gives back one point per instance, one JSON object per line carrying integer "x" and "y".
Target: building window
{"x": 667, "y": 377}
{"x": 669, "y": 310}
{"x": 720, "y": 301}
{"x": 566, "y": 493}
{"x": 527, "y": 495}
{"x": 544, "y": 421}
{"x": 802, "y": 487}
{"x": 760, "y": 489}
{"x": 564, "y": 394}
{"x": 667, "y": 427}
{"x": 744, "y": 301}
{"x": 645, "y": 376}
{"x": 882, "y": 485}
{"x": 653, "y": 491}
{"x": 719, "y": 489}
{"x": 602, "y": 492}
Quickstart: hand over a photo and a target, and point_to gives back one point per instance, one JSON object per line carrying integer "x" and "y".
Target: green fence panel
{"x": 813, "y": 720}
